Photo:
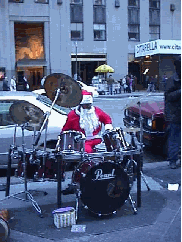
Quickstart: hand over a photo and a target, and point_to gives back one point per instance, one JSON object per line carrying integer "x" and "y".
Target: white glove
{"x": 108, "y": 127}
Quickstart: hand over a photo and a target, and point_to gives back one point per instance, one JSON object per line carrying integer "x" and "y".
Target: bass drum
{"x": 104, "y": 186}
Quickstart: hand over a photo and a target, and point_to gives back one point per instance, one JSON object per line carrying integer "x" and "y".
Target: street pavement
{"x": 158, "y": 218}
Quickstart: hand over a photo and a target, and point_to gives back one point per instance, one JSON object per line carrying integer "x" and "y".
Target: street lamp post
{"x": 76, "y": 61}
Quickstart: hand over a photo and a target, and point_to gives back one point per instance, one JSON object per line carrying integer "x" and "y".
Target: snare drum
{"x": 72, "y": 142}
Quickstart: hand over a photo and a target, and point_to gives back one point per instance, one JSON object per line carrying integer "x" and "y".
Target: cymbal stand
{"x": 47, "y": 114}
{"x": 28, "y": 195}
{"x": 44, "y": 152}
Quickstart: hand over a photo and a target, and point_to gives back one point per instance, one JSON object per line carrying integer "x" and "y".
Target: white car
{"x": 56, "y": 121}
{"x": 82, "y": 85}
{"x": 89, "y": 88}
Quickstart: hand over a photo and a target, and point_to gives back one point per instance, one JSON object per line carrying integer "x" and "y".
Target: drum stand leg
{"x": 143, "y": 177}
{"x": 77, "y": 204}
{"x": 28, "y": 195}
{"x": 133, "y": 204}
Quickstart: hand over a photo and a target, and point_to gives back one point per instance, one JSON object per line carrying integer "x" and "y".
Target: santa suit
{"x": 93, "y": 138}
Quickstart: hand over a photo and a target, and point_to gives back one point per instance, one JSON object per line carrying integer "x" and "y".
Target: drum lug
{"x": 99, "y": 214}
{"x": 83, "y": 174}
{"x": 85, "y": 207}
{"x": 36, "y": 176}
{"x": 22, "y": 174}
{"x": 114, "y": 212}
{"x": 16, "y": 173}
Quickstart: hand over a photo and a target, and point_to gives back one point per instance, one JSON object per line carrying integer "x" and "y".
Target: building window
{"x": 154, "y": 4}
{"x": 16, "y": 1}
{"x": 99, "y": 19}
{"x": 99, "y": 2}
{"x": 154, "y": 20}
{"x": 76, "y": 31}
{"x": 76, "y": 18}
{"x": 133, "y": 3}
{"x": 99, "y": 15}
{"x": 76, "y": 13}
{"x": 76, "y": 1}
{"x": 41, "y": 1}
{"x": 99, "y": 32}
{"x": 133, "y": 20}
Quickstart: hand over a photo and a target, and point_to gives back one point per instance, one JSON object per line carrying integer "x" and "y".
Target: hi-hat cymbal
{"x": 131, "y": 129}
{"x": 71, "y": 94}
{"x": 23, "y": 112}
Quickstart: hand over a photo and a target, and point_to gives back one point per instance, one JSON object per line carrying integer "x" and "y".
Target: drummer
{"x": 88, "y": 119}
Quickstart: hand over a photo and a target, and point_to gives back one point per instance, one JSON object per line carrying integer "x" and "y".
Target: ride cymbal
{"x": 71, "y": 94}
{"x": 23, "y": 112}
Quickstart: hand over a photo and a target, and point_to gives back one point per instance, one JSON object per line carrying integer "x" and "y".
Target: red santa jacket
{"x": 73, "y": 118}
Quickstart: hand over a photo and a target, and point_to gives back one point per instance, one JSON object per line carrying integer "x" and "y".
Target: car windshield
{"x": 45, "y": 100}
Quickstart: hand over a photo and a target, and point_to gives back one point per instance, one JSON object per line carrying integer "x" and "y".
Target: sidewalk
{"x": 133, "y": 94}
{"x": 158, "y": 218}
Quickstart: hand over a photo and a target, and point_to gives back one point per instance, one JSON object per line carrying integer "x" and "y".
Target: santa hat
{"x": 87, "y": 97}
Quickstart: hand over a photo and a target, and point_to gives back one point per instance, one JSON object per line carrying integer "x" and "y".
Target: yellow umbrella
{"x": 104, "y": 69}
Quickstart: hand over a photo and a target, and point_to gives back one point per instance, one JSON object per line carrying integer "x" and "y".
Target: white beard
{"x": 88, "y": 121}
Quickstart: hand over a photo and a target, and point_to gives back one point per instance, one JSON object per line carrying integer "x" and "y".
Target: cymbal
{"x": 131, "y": 129}
{"x": 23, "y": 112}
{"x": 71, "y": 94}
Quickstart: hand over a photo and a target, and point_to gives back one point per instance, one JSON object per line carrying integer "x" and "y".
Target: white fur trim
{"x": 87, "y": 99}
{"x": 108, "y": 126}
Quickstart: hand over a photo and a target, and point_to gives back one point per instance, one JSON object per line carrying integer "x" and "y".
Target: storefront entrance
{"x": 32, "y": 74}
{"x": 86, "y": 65}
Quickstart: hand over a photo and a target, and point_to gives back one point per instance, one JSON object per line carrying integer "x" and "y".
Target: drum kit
{"x": 101, "y": 180}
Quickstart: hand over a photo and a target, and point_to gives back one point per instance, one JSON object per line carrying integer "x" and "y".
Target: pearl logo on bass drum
{"x": 99, "y": 175}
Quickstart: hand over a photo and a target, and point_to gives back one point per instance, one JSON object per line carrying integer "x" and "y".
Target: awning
{"x": 29, "y": 63}
{"x": 158, "y": 47}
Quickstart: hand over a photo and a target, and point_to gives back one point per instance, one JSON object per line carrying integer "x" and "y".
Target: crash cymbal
{"x": 131, "y": 129}
{"x": 23, "y": 112}
{"x": 70, "y": 95}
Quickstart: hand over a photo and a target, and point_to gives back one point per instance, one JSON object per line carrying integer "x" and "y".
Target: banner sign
{"x": 158, "y": 47}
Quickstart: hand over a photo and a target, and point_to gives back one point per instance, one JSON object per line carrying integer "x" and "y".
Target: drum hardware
{"x": 122, "y": 139}
{"x": 28, "y": 196}
{"x": 133, "y": 204}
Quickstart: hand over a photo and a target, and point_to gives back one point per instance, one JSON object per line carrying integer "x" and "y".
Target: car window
{"x": 5, "y": 118}
{"x": 46, "y": 101}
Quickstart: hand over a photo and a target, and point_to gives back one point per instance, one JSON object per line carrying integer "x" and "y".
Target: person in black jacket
{"x": 6, "y": 86}
{"x": 173, "y": 114}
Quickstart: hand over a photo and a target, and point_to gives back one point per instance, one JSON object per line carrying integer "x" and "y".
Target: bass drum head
{"x": 105, "y": 188}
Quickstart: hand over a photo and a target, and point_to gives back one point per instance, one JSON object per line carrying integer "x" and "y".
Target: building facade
{"x": 40, "y": 37}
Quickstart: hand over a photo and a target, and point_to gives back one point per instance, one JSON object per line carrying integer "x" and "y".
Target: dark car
{"x": 154, "y": 125}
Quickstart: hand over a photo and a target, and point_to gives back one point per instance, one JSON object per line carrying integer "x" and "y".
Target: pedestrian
{"x": 13, "y": 84}
{"x": 121, "y": 86}
{"x": 131, "y": 83}
{"x": 134, "y": 83}
{"x": 43, "y": 81}
{"x": 26, "y": 85}
{"x": 151, "y": 85}
{"x": 164, "y": 80}
{"x": 110, "y": 82}
{"x": 173, "y": 114}
{"x": 124, "y": 84}
{"x": 155, "y": 87}
{"x": 87, "y": 119}
{"x": 6, "y": 86}
{"x": 128, "y": 84}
